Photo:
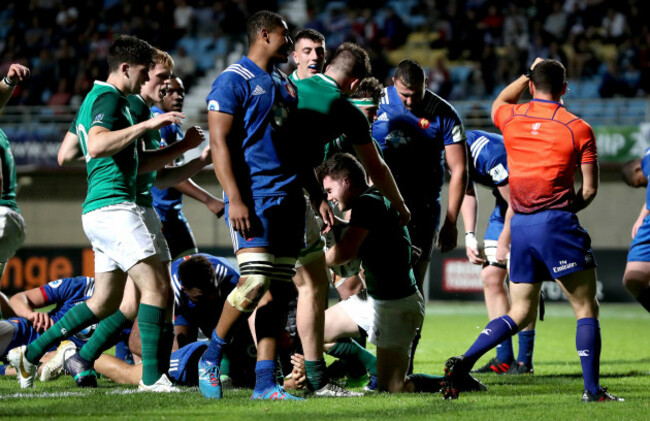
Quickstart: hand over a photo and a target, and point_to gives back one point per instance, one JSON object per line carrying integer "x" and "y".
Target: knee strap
{"x": 256, "y": 271}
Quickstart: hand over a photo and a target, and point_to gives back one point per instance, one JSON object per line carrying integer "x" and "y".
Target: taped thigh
{"x": 256, "y": 272}
{"x": 490, "y": 248}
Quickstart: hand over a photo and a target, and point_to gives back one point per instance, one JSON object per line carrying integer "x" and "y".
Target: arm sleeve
{"x": 356, "y": 128}
{"x": 585, "y": 142}
{"x": 452, "y": 127}
{"x": 503, "y": 113}
{"x": 225, "y": 95}
{"x": 496, "y": 165}
{"x": 380, "y": 128}
{"x": 106, "y": 111}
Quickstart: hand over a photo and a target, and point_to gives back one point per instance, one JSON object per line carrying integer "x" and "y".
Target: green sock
{"x": 426, "y": 383}
{"x": 166, "y": 349}
{"x": 349, "y": 350}
{"x": 72, "y": 322}
{"x": 105, "y": 336}
{"x": 225, "y": 365}
{"x": 316, "y": 374}
{"x": 150, "y": 321}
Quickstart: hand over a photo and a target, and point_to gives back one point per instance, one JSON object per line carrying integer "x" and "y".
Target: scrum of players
{"x": 328, "y": 179}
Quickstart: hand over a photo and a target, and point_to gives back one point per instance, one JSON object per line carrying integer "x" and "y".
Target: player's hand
{"x": 18, "y": 73}
{"x": 193, "y": 137}
{"x": 239, "y": 218}
{"x": 448, "y": 237}
{"x": 503, "y": 250}
{"x": 636, "y": 227}
{"x": 404, "y": 214}
{"x": 216, "y": 206}
{"x": 326, "y": 214}
{"x": 298, "y": 373}
{"x": 40, "y": 321}
{"x": 537, "y": 60}
{"x": 162, "y": 120}
{"x": 471, "y": 249}
{"x": 206, "y": 156}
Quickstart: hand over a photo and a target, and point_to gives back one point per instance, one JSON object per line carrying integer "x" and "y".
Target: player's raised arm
{"x": 512, "y": 92}
{"x": 17, "y": 73}
{"x": 153, "y": 160}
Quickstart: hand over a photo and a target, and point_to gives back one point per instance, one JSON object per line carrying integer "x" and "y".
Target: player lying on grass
{"x": 29, "y": 323}
{"x": 375, "y": 235}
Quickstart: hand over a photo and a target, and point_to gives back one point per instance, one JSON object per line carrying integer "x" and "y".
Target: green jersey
{"x": 325, "y": 112}
{"x": 141, "y": 112}
{"x": 386, "y": 251}
{"x": 8, "y": 198}
{"x": 111, "y": 179}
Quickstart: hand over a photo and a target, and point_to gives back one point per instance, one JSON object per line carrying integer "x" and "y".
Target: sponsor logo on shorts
{"x": 588, "y": 258}
{"x": 583, "y": 353}
{"x": 564, "y": 265}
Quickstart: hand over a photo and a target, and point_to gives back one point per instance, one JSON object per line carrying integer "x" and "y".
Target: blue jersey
{"x": 205, "y": 314}
{"x": 488, "y": 163}
{"x": 259, "y": 141}
{"x": 414, "y": 142}
{"x": 67, "y": 293}
{"x": 168, "y": 202}
{"x": 645, "y": 167}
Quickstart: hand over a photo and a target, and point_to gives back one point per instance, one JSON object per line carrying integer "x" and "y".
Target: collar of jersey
{"x": 547, "y": 101}
{"x": 326, "y": 79}
{"x": 109, "y": 85}
{"x": 250, "y": 65}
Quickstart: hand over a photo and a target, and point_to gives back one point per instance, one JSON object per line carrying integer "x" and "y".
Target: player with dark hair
{"x": 637, "y": 271}
{"x": 488, "y": 167}
{"x": 169, "y": 202}
{"x": 419, "y": 132}
{"x": 308, "y": 54}
{"x": 544, "y": 143}
{"x": 107, "y": 137}
{"x": 375, "y": 235}
{"x": 248, "y": 108}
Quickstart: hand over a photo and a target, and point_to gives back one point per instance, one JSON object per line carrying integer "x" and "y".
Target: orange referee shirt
{"x": 545, "y": 143}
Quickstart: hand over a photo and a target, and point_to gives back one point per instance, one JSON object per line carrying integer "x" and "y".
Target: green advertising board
{"x": 617, "y": 144}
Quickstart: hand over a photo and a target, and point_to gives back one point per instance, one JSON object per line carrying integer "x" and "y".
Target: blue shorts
{"x": 548, "y": 245}
{"x": 640, "y": 247}
{"x": 495, "y": 224}
{"x": 278, "y": 224}
{"x": 179, "y": 235}
{"x": 184, "y": 363}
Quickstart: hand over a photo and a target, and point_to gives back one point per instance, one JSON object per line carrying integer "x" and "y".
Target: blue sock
{"x": 3, "y": 367}
{"x": 526, "y": 345}
{"x": 494, "y": 333}
{"x": 264, "y": 375}
{"x": 213, "y": 353}
{"x": 505, "y": 354}
{"x": 588, "y": 346}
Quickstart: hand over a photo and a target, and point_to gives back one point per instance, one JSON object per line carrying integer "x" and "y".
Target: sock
{"x": 644, "y": 299}
{"x": 75, "y": 320}
{"x": 494, "y": 333}
{"x": 225, "y": 365}
{"x": 426, "y": 383}
{"x": 215, "y": 349}
{"x": 264, "y": 375}
{"x": 588, "y": 346}
{"x": 316, "y": 374}
{"x": 105, "y": 336}
{"x": 526, "y": 345}
{"x": 349, "y": 351}
{"x": 505, "y": 353}
{"x": 150, "y": 321}
{"x": 3, "y": 368}
{"x": 165, "y": 351}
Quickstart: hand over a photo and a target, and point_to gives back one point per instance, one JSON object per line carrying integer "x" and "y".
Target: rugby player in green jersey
{"x": 121, "y": 241}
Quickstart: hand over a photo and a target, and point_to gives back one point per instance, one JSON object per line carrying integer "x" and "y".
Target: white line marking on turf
{"x": 119, "y": 391}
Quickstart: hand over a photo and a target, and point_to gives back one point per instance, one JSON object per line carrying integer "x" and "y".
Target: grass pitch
{"x": 553, "y": 392}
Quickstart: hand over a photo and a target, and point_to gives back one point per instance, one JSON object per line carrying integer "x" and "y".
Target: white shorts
{"x": 360, "y": 308}
{"x": 396, "y": 322}
{"x": 314, "y": 241}
{"x": 12, "y": 233}
{"x": 154, "y": 225}
{"x": 490, "y": 248}
{"x": 119, "y": 236}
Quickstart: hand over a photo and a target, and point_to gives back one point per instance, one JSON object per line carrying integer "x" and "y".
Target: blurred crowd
{"x": 477, "y": 45}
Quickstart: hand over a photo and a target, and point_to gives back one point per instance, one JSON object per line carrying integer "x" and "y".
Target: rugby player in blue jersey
{"x": 637, "y": 271}
{"x": 419, "y": 132}
{"x": 169, "y": 202}
{"x": 488, "y": 167}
